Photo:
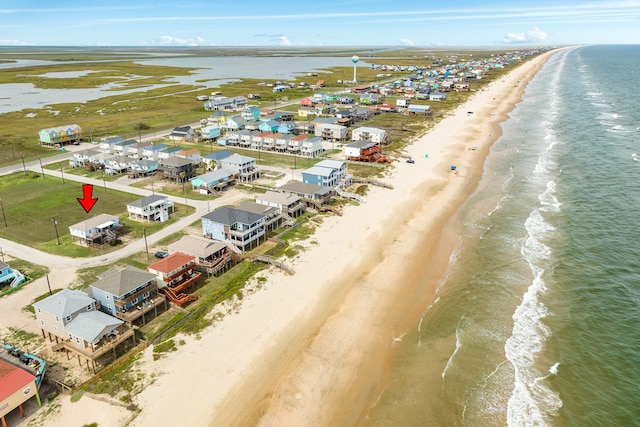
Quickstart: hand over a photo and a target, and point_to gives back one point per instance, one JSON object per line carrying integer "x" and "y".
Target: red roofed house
{"x": 176, "y": 275}
{"x": 16, "y": 387}
{"x": 308, "y": 102}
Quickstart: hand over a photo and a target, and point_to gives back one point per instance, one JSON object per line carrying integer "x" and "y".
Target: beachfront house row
{"x": 331, "y": 132}
{"x": 177, "y": 169}
{"x": 212, "y": 181}
{"x": 61, "y": 135}
{"x": 151, "y": 208}
{"x": 72, "y": 317}
{"x": 241, "y": 166}
{"x": 242, "y": 229}
{"x": 100, "y": 229}
{"x": 219, "y": 103}
{"x": 127, "y": 293}
{"x": 372, "y": 134}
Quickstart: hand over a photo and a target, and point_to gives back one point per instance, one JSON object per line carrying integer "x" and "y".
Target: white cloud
{"x": 4, "y": 42}
{"x": 177, "y": 41}
{"x": 533, "y": 36}
{"x": 406, "y": 42}
{"x": 284, "y": 41}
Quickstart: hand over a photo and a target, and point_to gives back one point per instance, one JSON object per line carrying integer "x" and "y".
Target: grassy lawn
{"x": 31, "y": 204}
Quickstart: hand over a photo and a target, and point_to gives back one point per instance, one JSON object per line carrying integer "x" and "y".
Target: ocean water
{"x": 538, "y": 320}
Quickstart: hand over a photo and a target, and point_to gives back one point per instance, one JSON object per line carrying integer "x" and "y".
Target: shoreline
{"x": 329, "y": 381}
{"x": 303, "y": 350}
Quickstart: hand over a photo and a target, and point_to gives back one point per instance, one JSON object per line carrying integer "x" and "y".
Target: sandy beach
{"x": 313, "y": 348}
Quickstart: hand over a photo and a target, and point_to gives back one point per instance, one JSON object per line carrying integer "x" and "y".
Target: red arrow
{"x": 87, "y": 202}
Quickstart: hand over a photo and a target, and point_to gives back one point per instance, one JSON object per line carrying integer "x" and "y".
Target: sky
{"x": 327, "y": 23}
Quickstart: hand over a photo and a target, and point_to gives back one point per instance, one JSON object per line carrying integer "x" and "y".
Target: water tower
{"x": 355, "y": 60}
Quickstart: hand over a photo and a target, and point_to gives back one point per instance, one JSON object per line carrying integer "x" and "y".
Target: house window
{"x": 55, "y": 328}
{"x": 109, "y": 307}
{"x": 108, "y": 296}
{"x": 39, "y": 311}
{"x": 78, "y": 340}
{"x": 57, "y": 319}
{"x": 89, "y": 307}
{"x": 70, "y": 336}
{"x": 41, "y": 322}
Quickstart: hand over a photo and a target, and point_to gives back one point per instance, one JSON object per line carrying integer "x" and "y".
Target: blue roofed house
{"x": 286, "y": 127}
{"x": 127, "y": 293}
{"x": 269, "y": 126}
{"x": 242, "y": 229}
{"x": 155, "y": 207}
{"x": 212, "y": 181}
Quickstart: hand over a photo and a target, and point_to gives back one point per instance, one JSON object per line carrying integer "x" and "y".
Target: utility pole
{"x": 42, "y": 168}
{"x": 61, "y": 172}
{"x": 55, "y": 225}
{"x": 144, "y": 233}
{"x": 3, "y": 214}
{"x": 49, "y": 285}
{"x": 24, "y": 167}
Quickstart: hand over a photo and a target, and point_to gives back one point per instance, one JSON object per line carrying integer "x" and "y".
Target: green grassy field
{"x": 31, "y": 203}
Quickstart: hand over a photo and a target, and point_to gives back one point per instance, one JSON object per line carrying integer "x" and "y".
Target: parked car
{"x": 410, "y": 161}
{"x": 161, "y": 254}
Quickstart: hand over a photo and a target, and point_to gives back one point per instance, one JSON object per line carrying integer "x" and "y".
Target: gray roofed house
{"x": 91, "y": 326}
{"x": 155, "y": 207}
{"x": 313, "y": 192}
{"x": 287, "y": 203}
{"x": 119, "y": 291}
{"x": 272, "y": 215}
{"x": 199, "y": 247}
{"x": 119, "y": 282}
{"x": 100, "y": 228}
{"x": 240, "y": 228}
{"x": 64, "y": 303}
